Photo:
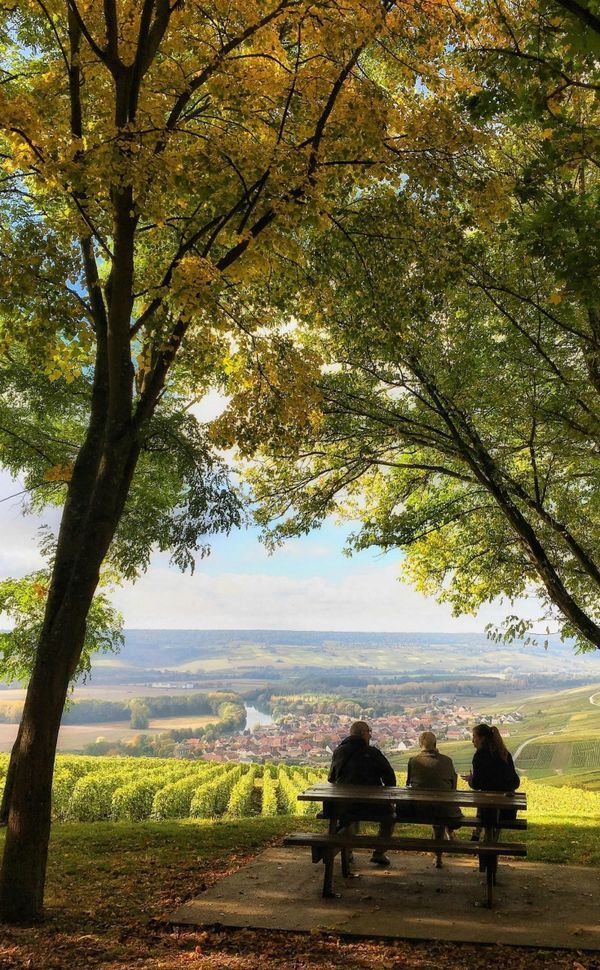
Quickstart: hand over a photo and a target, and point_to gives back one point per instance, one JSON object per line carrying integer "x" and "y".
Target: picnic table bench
{"x": 346, "y": 803}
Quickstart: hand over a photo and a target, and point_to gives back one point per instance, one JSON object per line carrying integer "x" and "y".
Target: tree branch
{"x": 100, "y": 54}
{"x": 582, "y": 13}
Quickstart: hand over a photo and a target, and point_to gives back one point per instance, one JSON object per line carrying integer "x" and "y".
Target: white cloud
{"x": 329, "y": 594}
{"x": 370, "y": 600}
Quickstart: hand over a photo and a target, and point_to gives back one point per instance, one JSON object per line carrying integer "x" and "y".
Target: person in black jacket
{"x": 493, "y": 769}
{"x": 356, "y": 762}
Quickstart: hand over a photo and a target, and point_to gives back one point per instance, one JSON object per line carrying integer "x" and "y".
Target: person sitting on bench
{"x": 356, "y": 761}
{"x": 493, "y": 770}
{"x": 433, "y": 770}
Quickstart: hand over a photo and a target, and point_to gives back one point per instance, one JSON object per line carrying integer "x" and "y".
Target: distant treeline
{"x": 89, "y": 711}
{"x": 338, "y": 682}
{"x": 313, "y": 704}
{"x": 231, "y": 718}
{"x": 363, "y": 706}
{"x": 422, "y": 689}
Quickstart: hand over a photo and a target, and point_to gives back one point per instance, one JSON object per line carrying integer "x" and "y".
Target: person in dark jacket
{"x": 493, "y": 769}
{"x": 356, "y": 762}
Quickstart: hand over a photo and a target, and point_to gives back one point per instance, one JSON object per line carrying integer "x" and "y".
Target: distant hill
{"x": 274, "y": 653}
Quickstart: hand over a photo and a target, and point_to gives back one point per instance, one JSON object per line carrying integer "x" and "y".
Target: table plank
{"x": 378, "y": 795}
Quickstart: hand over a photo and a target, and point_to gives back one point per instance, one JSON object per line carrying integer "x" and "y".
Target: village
{"x": 310, "y": 738}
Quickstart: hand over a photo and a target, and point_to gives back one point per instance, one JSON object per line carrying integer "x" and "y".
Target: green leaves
{"x": 181, "y": 494}
{"x": 459, "y": 397}
{"x": 23, "y": 601}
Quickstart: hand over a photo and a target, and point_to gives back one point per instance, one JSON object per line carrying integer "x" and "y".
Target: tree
{"x": 158, "y": 159}
{"x": 24, "y": 601}
{"x": 139, "y": 714}
{"x": 460, "y": 398}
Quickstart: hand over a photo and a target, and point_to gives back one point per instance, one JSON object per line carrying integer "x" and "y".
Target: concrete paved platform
{"x": 535, "y": 904}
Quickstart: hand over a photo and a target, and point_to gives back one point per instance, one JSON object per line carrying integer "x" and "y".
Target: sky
{"x": 307, "y": 585}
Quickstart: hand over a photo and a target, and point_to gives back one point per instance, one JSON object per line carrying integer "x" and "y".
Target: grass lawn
{"x": 110, "y": 886}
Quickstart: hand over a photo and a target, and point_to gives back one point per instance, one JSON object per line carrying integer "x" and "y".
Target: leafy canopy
{"x": 161, "y": 163}
{"x": 460, "y": 341}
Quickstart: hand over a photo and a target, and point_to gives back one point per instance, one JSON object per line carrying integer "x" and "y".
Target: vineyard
{"x": 126, "y": 789}
{"x": 93, "y": 789}
{"x": 586, "y": 754}
{"x": 567, "y": 759}
{"x": 582, "y": 781}
{"x": 536, "y": 756}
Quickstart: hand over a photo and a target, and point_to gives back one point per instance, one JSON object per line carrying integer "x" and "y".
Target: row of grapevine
{"x": 287, "y": 793}
{"x": 269, "y": 803}
{"x": 212, "y": 798}
{"x": 290, "y": 782}
{"x": 241, "y": 800}
{"x": 91, "y": 798}
{"x": 134, "y": 802}
{"x": 586, "y": 754}
{"x": 174, "y": 800}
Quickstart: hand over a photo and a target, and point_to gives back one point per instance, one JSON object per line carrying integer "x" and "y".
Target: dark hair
{"x": 492, "y": 740}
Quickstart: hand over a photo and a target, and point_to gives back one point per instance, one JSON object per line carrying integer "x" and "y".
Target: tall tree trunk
{"x": 75, "y": 578}
{"x": 23, "y": 871}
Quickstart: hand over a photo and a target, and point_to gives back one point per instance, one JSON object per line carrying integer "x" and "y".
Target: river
{"x": 254, "y": 717}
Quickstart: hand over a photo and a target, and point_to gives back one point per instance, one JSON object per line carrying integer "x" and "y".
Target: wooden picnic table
{"x": 342, "y": 803}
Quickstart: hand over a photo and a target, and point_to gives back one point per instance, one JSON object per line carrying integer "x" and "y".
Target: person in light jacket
{"x": 430, "y": 769}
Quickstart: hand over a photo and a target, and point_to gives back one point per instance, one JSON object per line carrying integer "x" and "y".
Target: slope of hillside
{"x": 557, "y": 742}
{"x": 274, "y": 653}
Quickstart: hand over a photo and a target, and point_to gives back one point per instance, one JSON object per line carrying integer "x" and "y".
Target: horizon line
{"x": 256, "y": 629}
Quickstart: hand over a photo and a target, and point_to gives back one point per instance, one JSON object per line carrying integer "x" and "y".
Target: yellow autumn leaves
{"x": 59, "y": 473}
